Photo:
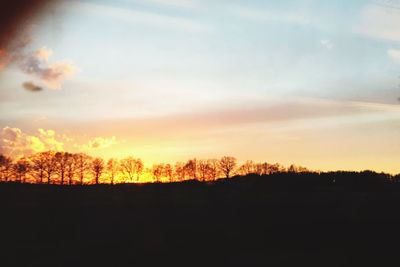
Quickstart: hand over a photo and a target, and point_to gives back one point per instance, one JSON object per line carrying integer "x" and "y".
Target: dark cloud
{"x": 16, "y": 19}
{"x": 14, "y": 14}
{"x": 30, "y": 86}
{"x": 36, "y": 64}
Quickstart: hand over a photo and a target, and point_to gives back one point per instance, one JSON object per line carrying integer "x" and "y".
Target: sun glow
{"x": 276, "y": 82}
{"x": 68, "y": 169}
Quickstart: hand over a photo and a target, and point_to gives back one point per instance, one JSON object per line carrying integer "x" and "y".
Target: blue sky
{"x": 228, "y": 48}
{"x": 307, "y": 66}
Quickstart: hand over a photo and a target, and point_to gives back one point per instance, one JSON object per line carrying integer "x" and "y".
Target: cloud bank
{"x": 15, "y": 143}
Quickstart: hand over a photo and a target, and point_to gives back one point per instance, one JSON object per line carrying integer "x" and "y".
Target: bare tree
{"x": 297, "y": 169}
{"x": 97, "y": 168}
{"x": 292, "y": 168}
{"x": 179, "y": 171}
{"x": 112, "y": 169}
{"x": 213, "y": 169}
{"x": 265, "y": 168}
{"x": 169, "y": 172}
{"x": 38, "y": 166}
{"x": 138, "y": 168}
{"x": 190, "y": 168}
{"x": 70, "y": 167}
{"x": 157, "y": 171}
{"x": 49, "y": 164}
{"x": 258, "y": 168}
{"x": 203, "y": 169}
{"x": 128, "y": 167}
{"x": 61, "y": 160}
{"x": 274, "y": 168}
{"x": 82, "y": 163}
{"x": 5, "y": 167}
{"x": 227, "y": 165}
{"x": 249, "y": 167}
{"x": 21, "y": 168}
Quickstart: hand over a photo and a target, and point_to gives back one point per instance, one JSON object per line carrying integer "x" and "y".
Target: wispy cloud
{"x": 327, "y": 44}
{"x": 379, "y": 22}
{"x": 98, "y": 143}
{"x": 130, "y": 15}
{"x": 394, "y": 54}
{"x": 275, "y": 16}
{"x": 246, "y": 115}
{"x": 187, "y": 4}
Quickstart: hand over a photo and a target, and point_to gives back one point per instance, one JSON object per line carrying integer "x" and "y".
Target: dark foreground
{"x": 280, "y": 220}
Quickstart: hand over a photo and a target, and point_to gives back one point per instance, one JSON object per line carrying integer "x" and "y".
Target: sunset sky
{"x": 310, "y": 82}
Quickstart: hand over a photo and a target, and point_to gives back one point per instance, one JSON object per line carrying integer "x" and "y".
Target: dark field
{"x": 342, "y": 219}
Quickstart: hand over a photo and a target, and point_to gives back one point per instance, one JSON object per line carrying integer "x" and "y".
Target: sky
{"x": 315, "y": 83}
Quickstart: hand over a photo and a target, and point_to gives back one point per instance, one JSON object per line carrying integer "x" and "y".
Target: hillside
{"x": 332, "y": 219}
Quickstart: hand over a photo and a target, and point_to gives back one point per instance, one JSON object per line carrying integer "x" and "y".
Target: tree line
{"x": 78, "y": 168}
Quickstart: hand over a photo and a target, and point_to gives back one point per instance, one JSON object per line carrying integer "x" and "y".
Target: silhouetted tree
{"x": 302, "y": 169}
{"x": 274, "y": 168}
{"x": 50, "y": 166}
{"x": 21, "y": 168}
{"x": 203, "y": 170}
{"x": 265, "y": 168}
{"x": 179, "y": 171}
{"x": 292, "y": 168}
{"x": 82, "y": 163}
{"x": 157, "y": 171}
{"x": 61, "y": 160}
{"x": 5, "y": 167}
{"x": 190, "y": 168}
{"x": 297, "y": 169}
{"x": 70, "y": 167}
{"x": 138, "y": 168}
{"x": 258, "y": 168}
{"x": 38, "y": 166}
{"x": 168, "y": 172}
{"x": 112, "y": 169}
{"x": 46, "y": 165}
{"x": 207, "y": 169}
{"x": 246, "y": 168}
{"x": 227, "y": 165}
{"x": 249, "y": 167}
{"x": 213, "y": 168}
{"x": 97, "y": 168}
{"x": 128, "y": 167}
